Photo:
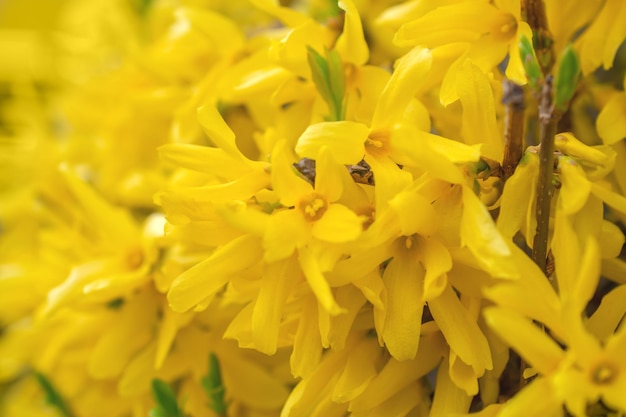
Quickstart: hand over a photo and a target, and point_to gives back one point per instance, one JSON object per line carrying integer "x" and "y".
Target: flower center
{"x": 134, "y": 258}
{"x": 504, "y": 26}
{"x": 313, "y": 207}
{"x": 377, "y": 142}
{"x": 604, "y": 373}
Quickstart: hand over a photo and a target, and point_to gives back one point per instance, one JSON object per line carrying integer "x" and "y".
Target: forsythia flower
{"x": 312, "y": 208}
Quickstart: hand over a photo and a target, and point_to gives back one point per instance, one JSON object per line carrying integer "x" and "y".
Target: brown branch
{"x": 534, "y": 12}
{"x": 514, "y": 119}
{"x": 548, "y": 119}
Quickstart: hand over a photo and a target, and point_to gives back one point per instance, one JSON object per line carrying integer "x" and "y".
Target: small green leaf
{"x": 167, "y": 405}
{"x": 531, "y": 65}
{"x": 52, "y": 395}
{"x": 213, "y": 386}
{"x": 567, "y": 78}
{"x": 329, "y": 79}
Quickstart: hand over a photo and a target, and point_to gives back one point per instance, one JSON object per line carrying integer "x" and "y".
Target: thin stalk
{"x": 514, "y": 119}
{"x": 548, "y": 119}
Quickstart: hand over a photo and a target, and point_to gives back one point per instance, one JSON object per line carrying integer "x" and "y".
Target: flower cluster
{"x": 314, "y": 208}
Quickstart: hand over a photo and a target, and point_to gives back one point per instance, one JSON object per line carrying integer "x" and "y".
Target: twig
{"x": 513, "y": 99}
{"x": 548, "y": 119}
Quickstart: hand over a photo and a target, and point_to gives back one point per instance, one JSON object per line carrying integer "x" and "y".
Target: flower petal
{"x": 317, "y": 281}
{"x": 344, "y": 139}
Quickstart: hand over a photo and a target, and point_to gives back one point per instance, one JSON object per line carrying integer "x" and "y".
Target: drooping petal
{"x": 479, "y": 115}
{"x": 609, "y": 313}
{"x": 345, "y": 141}
{"x": 218, "y": 131}
{"x": 461, "y": 331}
{"x": 537, "y": 399}
{"x": 449, "y": 399}
{"x": 358, "y": 372}
{"x": 404, "y": 281}
{"x": 351, "y": 44}
{"x": 209, "y": 276}
{"x": 611, "y": 122}
{"x": 516, "y": 202}
{"x": 481, "y": 236}
{"x": 307, "y": 344}
{"x": 397, "y": 375}
{"x": 437, "y": 261}
{"x": 276, "y": 283}
{"x": 287, "y": 184}
{"x": 286, "y": 231}
{"x": 338, "y": 224}
{"x": 329, "y": 175}
{"x": 408, "y": 73}
{"x": 543, "y": 354}
{"x": 317, "y": 281}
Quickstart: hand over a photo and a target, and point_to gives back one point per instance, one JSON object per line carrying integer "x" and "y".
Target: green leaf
{"x": 531, "y": 65}
{"x": 567, "y": 78}
{"x": 329, "y": 79}
{"x": 167, "y": 404}
{"x": 212, "y": 384}
{"x": 52, "y": 395}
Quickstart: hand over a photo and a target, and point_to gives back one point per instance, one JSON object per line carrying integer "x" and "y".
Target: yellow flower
{"x": 600, "y": 41}
{"x": 487, "y": 32}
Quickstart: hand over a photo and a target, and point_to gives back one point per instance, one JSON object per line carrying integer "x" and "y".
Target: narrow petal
{"x": 479, "y": 115}
{"x": 609, "y": 314}
{"x": 537, "y": 399}
{"x": 461, "y": 331}
{"x": 209, "y": 276}
{"x": 218, "y": 131}
{"x": 611, "y": 122}
{"x": 409, "y": 72}
{"x": 351, "y": 44}
{"x": 618, "y": 202}
{"x": 214, "y": 161}
{"x": 276, "y": 284}
{"x": 358, "y": 372}
{"x": 397, "y": 375}
{"x": 448, "y": 399}
{"x": 344, "y": 139}
{"x": 415, "y": 214}
{"x": 288, "y": 185}
{"x": 286, "y": 231}
{"x": 480, "y": 235}
{"x": 437, "y": 261}
{"x": 404, "y": 282}
{"x": 329, "y": 175}
{"x": 543, "y": 354}
{"x": 338, "y": 224}
{"x": 516, "y": 201}
{"x": 317, "y": 281}
{"x": 307, "y": 344}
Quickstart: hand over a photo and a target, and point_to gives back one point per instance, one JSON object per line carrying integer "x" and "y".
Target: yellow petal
{"x": 288, "y": 185}
{"x": 448, "y": 399}
{"x": 390, "y": 179}
{"x": 329, "y": 175}
{"x": 479, "y": 115}
{"x": 351, "y": 44}
{"x": 404, "y": 282}
{"x": 286, "y": 231}
{"x": 317, "y": 281}
{"x": 461, "y": 331}
{"x": 462, "y": 375}
{"x": 480, "y": 235}
{"x": 209, "y": 276}
{"x": 409, "y": 72}
{"x": 611, "y": 122}
{"x": 307, "y": 344}
{"x": 359, "y": 370}
{"x": 397, "y": 375}
{"x": 575, "y": 187}
{"x": 537, "y": 399}
{"x": 543, "y": 354}
{"x": 516, "y": 197}
{"x": 602, "y": 39}
{"x": 276, "y": 283}
{"x": 402, "y": 402}
{"x": 437, "y": 262}
{"x": 250, "y": 382}
{"x": 218, "y": 131}
{"x": 213, "y": 161}
{"x": 345, "y": 141}
{"x": 515, "y": 69}
{"x": 609, "y": 313}
{"x": 415, "y": 214}
{"x": 352, "y": 300}
{"x": 338, "y": 224}
{"x": 618, "y": 202}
